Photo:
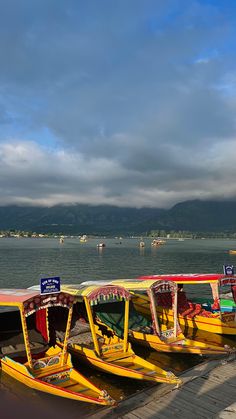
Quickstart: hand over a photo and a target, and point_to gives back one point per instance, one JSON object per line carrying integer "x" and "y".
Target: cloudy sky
{"x": 122, "y": 102}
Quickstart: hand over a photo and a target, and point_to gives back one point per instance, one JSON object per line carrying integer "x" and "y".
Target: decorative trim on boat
{"x": 110, "y": 292}
{"x": 45, "y": 301}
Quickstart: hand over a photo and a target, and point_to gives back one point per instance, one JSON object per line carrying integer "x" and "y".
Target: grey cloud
{"x": 122, "y": 83}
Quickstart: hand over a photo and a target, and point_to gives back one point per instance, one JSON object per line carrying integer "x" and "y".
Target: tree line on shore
{"x": 180, "y": 234}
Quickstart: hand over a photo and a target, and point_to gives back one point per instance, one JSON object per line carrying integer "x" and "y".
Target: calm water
{"x": 24, "y": 261}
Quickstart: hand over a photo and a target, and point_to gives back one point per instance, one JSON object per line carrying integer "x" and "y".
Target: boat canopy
{"x": 221, "y": 279}
{"x": 155, "y": 284}
{"x": 116, "y": 289}
{"x": 31, "y": 300}
{"x": 97, "y": 294}
{"x": 163, "y": 285}
{"x": 113, "y": 314}
{"x": 215, "y": 280}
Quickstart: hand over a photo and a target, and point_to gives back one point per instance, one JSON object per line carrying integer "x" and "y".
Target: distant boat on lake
{"x": 83, "y": 239}
{"x": 157, "y": 242}
{"x": 100, "y": 245}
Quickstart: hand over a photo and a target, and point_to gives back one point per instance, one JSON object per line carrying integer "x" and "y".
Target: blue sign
{"x": 50, "y": 285}
{"x": 228, "y": 269}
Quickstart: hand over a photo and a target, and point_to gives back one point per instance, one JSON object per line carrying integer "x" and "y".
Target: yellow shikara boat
{"x": 213, "y": 316}
{"x": 97, "y": 344}
{"x": 153, "y": 329}
{"x": 31, "y": 362}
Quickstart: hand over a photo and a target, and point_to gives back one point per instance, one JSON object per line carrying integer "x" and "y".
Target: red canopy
{"x": 32, "y": 300}
{"x": 191, "y": 278}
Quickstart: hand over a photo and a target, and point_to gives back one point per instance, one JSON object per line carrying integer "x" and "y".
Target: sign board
{"x": 50, "y": 285}
{"x": 228, "y": 269}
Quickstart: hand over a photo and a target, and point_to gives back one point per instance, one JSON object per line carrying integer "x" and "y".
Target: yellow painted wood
{"x": 92, "y": 327}
{"x": 82, "y": 389}
{"x": 67, "y": 333}
{"x": 153, "y": 303}
{"x": 26, "y": 336}
{"x": 124, "y": 364}
{"x": 175, "y": 306}
{"x": 126, "y": 325}
{"x": 47, "y": 323}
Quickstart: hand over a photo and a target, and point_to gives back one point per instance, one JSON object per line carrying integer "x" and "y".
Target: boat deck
{"x": 208, "y": 391}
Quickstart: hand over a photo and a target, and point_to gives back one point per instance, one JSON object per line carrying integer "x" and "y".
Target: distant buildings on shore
{"x": 25, "y": 234}
{"x": 173, "y": 235}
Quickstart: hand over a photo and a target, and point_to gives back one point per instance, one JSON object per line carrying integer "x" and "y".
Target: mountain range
{"x": 194, "y": 216}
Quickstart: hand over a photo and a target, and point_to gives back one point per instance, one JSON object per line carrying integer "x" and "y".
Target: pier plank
{"x": 208, "y": 391}
{"x": 218, "y": 396}
{"x": 228, "y": 413}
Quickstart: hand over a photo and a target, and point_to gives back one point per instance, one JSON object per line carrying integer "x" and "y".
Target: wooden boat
{"x": 166, "y": 335}
{"x": 83, "y": 239}
{"x": 232, "y": 252}
{"x": 216, "y": 315}
{"x": 157, "y": 242}
{"x": 97, "y": 344}
{"x": 34, "y": 363}
{"x": 101, "y": 245}
{"x": 149, "y": 330}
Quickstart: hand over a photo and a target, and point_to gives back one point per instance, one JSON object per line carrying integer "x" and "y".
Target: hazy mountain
{"x": 77, "y": 219}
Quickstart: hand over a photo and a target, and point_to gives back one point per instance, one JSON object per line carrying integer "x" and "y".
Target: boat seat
{"x": 19, "y": 349}
{"x": 185, "y": 307}
{"x": 216, "y": 304}
{"x": 12, "y": 344}
{"x": 196, "y": 310}
{"x": 80, "y": 327}
{"x": 83, "y": 338}
{"x": 142, "y": 329}
{"x": 80, "y": 334}
{"x": 189, "y": 309}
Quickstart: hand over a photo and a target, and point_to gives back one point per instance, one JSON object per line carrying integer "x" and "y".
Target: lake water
{"x": 24, "y": 261}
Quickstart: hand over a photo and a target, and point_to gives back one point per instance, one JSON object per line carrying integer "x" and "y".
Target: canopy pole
{"x": 92, "y": 327}
{"x": 175, "y": 311}
{"x": 47, "y": 324}
{"x": 215, "y": 290}
{"x": 26, "y": 337}
{"x": 154, "y": 311}
{"x": 67, "y": 333}
{"x": 126, "y": 325}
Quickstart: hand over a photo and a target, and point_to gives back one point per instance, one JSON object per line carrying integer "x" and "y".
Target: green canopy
{"x": 112, "y": 314}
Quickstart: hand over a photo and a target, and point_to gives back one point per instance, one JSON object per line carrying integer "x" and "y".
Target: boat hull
{"x": 114, "y": 360}
{"x": 63, "y": 381}
{"x": 182, "y": 345}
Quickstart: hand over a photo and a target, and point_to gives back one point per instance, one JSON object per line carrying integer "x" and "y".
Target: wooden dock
{"x": 208, "y": 391}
